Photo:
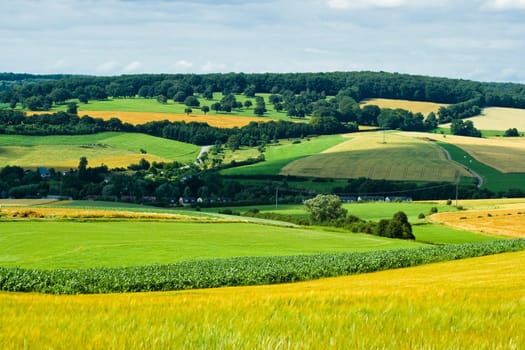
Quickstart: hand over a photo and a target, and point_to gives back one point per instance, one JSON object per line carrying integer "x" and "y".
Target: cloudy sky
{"x": 471, "y": 39}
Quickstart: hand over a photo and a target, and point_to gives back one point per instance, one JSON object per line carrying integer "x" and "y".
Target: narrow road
{"x": 475, "y": 174}
{"x": 204, "y": 149}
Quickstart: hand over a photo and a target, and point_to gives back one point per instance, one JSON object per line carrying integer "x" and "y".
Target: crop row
{"x": 237, "y": 271}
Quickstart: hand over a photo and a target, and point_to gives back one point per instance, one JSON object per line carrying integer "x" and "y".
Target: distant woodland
{"x": 299, "y": 94}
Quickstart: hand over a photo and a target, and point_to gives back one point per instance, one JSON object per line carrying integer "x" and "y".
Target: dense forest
{"x": 298, "y": 94}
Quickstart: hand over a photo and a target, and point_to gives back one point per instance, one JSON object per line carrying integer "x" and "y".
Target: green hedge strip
{"x": 237, "y": 271}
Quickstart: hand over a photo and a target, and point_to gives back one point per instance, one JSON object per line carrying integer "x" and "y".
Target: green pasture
{"x": 140, "y": 104}
{"x": 493, "y": 179}
{"x": 108, "y": 148}
{"x": 278, "y": 155}
{"x": 70, "y": 244}
{"x": 441, "y": 234}
{"x": 374, "y": 211}
{"x": 417, "y": 162}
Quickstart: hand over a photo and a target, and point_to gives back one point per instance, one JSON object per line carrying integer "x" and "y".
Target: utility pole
{"x": 458, "y": 178}
{"x": 276, "y": 196}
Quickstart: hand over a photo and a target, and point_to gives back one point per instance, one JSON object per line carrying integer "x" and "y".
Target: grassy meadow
{"x": 279, "y": 155}
{"x": 141, "y": 110}
{"x": 480, "y": 307}
{"x": 111, "y": 149}
{"x": 413, "y": 106}
{"x": 379, "y": 155}
{"x": 425, "y": 230}
{"x": 72, "y": 244}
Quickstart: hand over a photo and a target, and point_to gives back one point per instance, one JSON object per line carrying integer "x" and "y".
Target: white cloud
{"x": 132, "y": 67}
{"x": 183, "y": 64}
{"x": 505, "y": 4}
{"x": 107, "y": 67}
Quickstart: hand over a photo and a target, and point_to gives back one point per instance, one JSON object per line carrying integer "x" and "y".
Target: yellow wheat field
{"x": 470, "y": 304}
{"x": 76, "y": 213}
{"x": 414, "y": 106}
{"x": 505, "y": 222}
{"x": 497, "y": 118}
{"x": 136, "y": 118}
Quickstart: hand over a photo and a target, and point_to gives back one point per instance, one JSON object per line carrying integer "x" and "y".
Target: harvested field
{"x": 497, "y": 118}
{"x": 378, "y": 155}
{"x": 75, "y": 213}
{"x": 25, "y": 202}
{"x": 505, "y": 222}
{"x": 413, "y": 106}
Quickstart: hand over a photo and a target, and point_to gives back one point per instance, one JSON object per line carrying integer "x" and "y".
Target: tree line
{"x": 253, "y": 134}
{"x": 298, "y": 91}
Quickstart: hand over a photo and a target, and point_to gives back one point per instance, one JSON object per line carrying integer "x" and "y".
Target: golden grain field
{"x": 76, "y": 213}
{"x": 498, "y": 118}
{"x": 469, "y": 304}
{"x": 505, "y": 222}
{"x": 414, "y": 106}
{"x": 379, "y": 155}
{"x": 135, "y": 118}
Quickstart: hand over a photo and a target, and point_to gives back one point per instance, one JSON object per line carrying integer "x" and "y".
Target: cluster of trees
{"x": 328, "y": 210}
{"x": 464, "y": 128}
{"x": 59, "y": 123}
{"x": 298, "y": 94}
{"x": 253, "y": 134}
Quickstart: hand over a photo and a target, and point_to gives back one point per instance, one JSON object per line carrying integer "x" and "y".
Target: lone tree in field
{"x": 397, "y": 227}
{"x": 325, "y": 208}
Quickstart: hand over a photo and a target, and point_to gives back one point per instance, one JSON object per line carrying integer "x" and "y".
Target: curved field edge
{"x": 480, "y": 307}
{"x": 244, "y": 271}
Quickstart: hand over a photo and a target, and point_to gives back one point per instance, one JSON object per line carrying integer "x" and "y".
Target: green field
{"x": 65, "y": 244}
{"x": 140, "y": 104}
{"x": 379, "y": 155}
{"x": 278, "y": 155}
{"x": 493, "y": 179}
{"x": 112, "y": 149}
{"x": 375, "y": 211}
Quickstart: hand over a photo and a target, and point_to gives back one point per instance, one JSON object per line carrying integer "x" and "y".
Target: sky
{"x": 481, "y": 40}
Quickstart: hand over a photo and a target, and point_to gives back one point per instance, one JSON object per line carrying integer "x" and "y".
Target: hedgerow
{"x": 237, "y": 271}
